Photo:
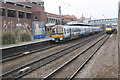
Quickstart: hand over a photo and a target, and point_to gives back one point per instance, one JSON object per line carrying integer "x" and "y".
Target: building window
{"x": 38, "y": 3}
{"x": 28, "y": 7}
{"x": 2, "y": 12}
{"x": 28, "y": 15}
{"x": 36, "y": 18}
{"x": 11, "y": 13}
{"x": 34, "y": 2}
{"x": 20, "y": 5}
{"x": 10, "y": 3}
{"x": 21, "y": 14}
{"x": 41, "y": 4}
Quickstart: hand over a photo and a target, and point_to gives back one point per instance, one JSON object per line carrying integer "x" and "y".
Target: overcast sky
{"x": 98, "y": 9}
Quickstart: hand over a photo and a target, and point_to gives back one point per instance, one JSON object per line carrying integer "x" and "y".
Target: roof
{"x": 82, "y": 18}
{"x": 53, "y": 15}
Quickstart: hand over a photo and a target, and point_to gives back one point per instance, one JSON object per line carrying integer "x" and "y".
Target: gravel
{"x": 26, "y": 59}
{"x": 104, "y": 64}
{"x": 45, "y": 70}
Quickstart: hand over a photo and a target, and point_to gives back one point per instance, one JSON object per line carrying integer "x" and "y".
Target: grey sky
{"x": 96, "y": 8}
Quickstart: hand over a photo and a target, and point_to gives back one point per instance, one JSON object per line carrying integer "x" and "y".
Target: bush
{"x": 25, "y": 36}
{"x": 8, "y": 38}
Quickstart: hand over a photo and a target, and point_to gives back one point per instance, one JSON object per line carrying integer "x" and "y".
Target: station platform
{"x": 14, "y": 49}
{"x": 25, "y": 43}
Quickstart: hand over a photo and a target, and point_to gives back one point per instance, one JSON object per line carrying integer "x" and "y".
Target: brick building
{"x": 21, "y": 13}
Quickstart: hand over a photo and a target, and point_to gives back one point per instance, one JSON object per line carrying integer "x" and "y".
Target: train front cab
{"x": 109, "y": 30}
{"x": 57, "y": 34}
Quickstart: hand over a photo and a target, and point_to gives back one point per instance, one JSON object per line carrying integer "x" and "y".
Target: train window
{"x": 65, "y": 31}
{"x": 68, "y": 30}
{"x": 72, "y": 30}
{"x": 59, "y": 30}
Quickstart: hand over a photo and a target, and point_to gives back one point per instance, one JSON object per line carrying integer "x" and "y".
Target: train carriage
{"x": 66, "y": 32}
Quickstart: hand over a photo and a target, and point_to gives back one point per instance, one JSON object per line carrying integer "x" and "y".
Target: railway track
{"x": 27, "y": 68}
{"x": 81, "y": 62}
{"x": 18, "y": 55}
{"x": 12, "y": 64}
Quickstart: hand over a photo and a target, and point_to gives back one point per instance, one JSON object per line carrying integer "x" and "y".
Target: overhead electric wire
{"x": 76, "y": 9}
{"x": 67, "y": 10}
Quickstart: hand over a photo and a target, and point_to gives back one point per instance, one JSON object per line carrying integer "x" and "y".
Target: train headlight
{"x": 61, "y": 38}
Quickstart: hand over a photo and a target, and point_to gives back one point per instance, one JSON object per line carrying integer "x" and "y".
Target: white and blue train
{"x": 68, "y": 32}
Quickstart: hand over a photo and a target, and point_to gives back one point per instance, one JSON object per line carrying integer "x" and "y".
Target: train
{"x": 60, "y": 33}
{"x": 109, "y": 29}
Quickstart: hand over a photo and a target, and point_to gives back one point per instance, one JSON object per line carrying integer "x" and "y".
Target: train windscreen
{"x": 57, "y": 31}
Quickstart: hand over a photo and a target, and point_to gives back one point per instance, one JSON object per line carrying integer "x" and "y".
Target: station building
{"x": 54, "y": 19}
{"x": 21, "y": 14}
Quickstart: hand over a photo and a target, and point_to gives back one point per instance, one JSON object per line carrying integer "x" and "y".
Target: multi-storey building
{"x": 21, "y": 14}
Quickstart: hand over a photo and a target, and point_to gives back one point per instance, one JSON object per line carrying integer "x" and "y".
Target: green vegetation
{"x": 16, "y": 37}
{"x": 25, "y": 36}
{"x": 8, "y": 38}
